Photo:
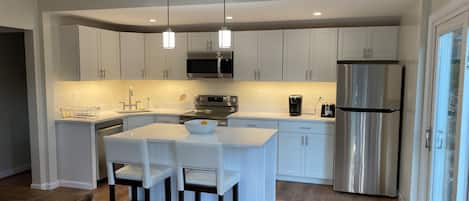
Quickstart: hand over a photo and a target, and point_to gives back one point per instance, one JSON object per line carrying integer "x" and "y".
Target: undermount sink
{"x": 132, "y": 111}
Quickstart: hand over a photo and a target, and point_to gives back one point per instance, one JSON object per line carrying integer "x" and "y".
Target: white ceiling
{"x": 253, "y": 11}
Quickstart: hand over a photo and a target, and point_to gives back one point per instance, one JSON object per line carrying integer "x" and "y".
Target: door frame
{"x": 453, "y": 10}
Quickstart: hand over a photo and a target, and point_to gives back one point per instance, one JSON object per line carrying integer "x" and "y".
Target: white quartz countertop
{"x": 110, "y": 115}
{"x": 279, "y": 116}
{"x": 231, "y": 137}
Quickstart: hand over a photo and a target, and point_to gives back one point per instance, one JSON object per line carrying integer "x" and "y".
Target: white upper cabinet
{"x": 246, "y": 58}
{"x": 110, "y": 55}
{"x": 310, "y": 55}
{"x": 258, "y": 55}
{"x": 270, "y": 55}
{"x": 296, "y": 55}
{"x": 323, "y": 55}
{"x": 162, "y": 64}
{"x": 132, "y": 47}
{"x": 155, "y": 57}
{"x": 368, "y": 43}
{"x": 177, "y": 58}
{"x": 205, "y": 42}
{"x": 384, "y": 43}
{"x": 89, "y": 54}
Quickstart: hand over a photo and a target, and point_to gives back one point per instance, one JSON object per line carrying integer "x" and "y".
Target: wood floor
{"x": 16, "y": 188}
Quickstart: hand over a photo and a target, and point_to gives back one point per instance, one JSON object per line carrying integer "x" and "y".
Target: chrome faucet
{"x": 130, "y": 105}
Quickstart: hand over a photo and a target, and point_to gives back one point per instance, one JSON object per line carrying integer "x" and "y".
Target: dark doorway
{"x": 14, "y": 121}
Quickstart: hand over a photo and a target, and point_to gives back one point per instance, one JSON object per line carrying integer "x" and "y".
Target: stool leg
{"x": 147, "y": 194}
{"x": 197, "y": 196}
{"x": 112, "y": 193}
{"x": 167, "y": 188}
{"x": 181, "y": 195}
{"x": 220, "y": 197}
{"x": 134, "y": 193}
{"x": 235, "y": 192}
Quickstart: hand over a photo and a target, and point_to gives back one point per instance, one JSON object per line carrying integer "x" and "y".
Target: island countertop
{"x": 230, "y": 137}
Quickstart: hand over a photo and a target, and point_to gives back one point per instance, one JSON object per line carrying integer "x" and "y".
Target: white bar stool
{"x": 200, "y": 169}
{"x": 138, "y": 170}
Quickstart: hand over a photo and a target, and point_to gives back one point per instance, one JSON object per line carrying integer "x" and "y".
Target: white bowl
{"x": 201, "y": 126}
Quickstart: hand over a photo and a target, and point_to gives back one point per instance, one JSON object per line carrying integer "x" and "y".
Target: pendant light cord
{"x": 168, "y": 11}
{"x": 224, "y": 13}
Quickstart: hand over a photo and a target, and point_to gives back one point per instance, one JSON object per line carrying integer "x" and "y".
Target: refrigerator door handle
{"x": 428, "y": 139}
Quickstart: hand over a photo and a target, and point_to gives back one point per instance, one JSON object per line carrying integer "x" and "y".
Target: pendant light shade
{"x": 169, "y": 37}
{"x": 224, "y": 38}
{"x": 224, "y": 34}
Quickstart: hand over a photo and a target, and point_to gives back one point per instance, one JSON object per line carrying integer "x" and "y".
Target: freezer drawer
{"x": 367, "y": 152}
{"x": 376, "y": 86}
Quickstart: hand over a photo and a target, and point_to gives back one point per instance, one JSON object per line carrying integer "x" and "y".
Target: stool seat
{"x": 209, "y": 179}
{"x": 135, "y": 173}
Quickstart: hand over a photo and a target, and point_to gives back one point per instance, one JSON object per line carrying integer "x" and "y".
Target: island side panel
{"x": 270, "y": 153}
{"x": 76, "y": 155}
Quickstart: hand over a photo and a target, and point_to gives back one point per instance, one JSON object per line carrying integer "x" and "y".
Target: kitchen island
{"x": 250, "y": 151}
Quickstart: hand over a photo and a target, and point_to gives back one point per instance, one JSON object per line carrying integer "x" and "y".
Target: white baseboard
{"x": 13, "y": 171}
{"x": 46, "y": 186}
{"x": 76, "y": 184}
{"x": 304, "y": 180}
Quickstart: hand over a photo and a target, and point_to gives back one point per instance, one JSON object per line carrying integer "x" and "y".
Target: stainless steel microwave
{"x": 201, "y": 65}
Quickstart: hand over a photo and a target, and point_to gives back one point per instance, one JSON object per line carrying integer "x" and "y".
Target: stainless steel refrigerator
{"x": 368, "y": 127}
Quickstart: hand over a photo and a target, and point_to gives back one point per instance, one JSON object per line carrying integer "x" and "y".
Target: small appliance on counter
{"x": 328, "y": 110}
{"x": 295, "y": 105}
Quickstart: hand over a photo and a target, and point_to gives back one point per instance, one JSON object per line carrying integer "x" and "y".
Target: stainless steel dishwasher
{"x": 105, "y": 129}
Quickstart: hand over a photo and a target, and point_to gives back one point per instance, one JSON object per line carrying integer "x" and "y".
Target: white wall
{"x": 14, "y": 137}
{"x": 253, "y": 96}
{"x": 23, "y": 14}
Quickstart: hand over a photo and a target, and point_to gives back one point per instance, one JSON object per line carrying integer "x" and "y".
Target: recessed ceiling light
{"x": 152, "y": 20}
{"x": 317, "y": 13}
{"x": 229, "y": 17}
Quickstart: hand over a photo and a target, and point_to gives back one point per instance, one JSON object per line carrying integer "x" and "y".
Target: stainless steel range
{"x": 212, "y": 107}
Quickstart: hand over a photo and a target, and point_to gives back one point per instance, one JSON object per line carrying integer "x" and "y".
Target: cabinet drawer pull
{"x": 305, "y": 128}
{"x": 252, "y": 126}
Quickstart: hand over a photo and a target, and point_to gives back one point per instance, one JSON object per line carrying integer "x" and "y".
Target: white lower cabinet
{"x": 167, "y": 119}
{"x": 138, "y": 121}
{"x": 319, "y": 156}
{"x": 290, "y": 154}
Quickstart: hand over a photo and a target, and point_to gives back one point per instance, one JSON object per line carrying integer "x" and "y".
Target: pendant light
{"x": 169, "y": 37}
{"x": 224, "y": 34}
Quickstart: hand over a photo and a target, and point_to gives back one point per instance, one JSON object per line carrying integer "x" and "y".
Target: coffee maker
{"x": 295, "y": 105}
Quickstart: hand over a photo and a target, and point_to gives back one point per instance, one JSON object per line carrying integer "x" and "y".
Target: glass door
{"x": 446, "y": 157}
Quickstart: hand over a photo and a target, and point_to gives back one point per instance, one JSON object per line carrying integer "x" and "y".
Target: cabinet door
{"x": 110, "y": 55}
{"x": 319, "y": 156}
{"x": 384, "y": 42}
{"x": 270, "y": 55}
{"x": 138, "y": 121}
{"x": 246, "y": 55}
{"x": 89, "y": 53}
{"x": 155, "y": 58}
{"x": 353, "y": 43}
{"x": 177, "y": 58}
{"x": 324, "y": 55}
{"x": 290, "y": 154}
{"x": 200, "y": 41}
{"x": 296, "y": 55}
{"x": 132, "y": 56}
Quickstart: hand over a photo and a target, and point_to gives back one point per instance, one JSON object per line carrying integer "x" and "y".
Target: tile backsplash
{"x": 253, "y": 96}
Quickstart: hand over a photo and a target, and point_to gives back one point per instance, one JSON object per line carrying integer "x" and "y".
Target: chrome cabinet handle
{"x": 370, "y": 52}
{"x": 252, "y": 126}
{"x": 302, "y": 140}
{"x": 306, "y": 140}
{"x": 305, "y": 128}
{"x": 143, "y": 74}
{"x": 306, "y": 75}
{"x": 310, "y": 74}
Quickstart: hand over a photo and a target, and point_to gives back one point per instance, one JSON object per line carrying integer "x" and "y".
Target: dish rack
{"x": 79, "y": 112}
